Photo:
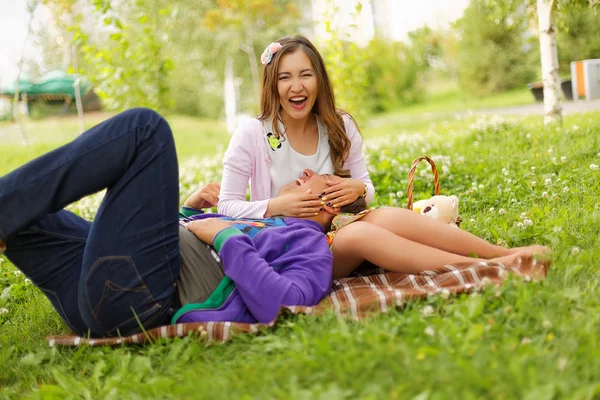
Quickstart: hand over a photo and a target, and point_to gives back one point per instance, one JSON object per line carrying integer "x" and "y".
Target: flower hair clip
{"x": 269, "y": 52}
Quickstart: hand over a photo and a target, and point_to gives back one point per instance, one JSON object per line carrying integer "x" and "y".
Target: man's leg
{"x": 50, "y": 253}
{"x": 131, "y": 259}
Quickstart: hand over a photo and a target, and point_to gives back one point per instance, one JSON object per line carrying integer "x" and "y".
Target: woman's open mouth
{"x": 299, "y": 102}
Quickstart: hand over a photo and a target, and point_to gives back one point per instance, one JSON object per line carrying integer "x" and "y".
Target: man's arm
{"x": 205, "y": 197}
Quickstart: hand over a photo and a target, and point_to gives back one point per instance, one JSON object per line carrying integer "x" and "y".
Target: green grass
{"x": 524, "y": 340}
{"x": 448, "y": 105}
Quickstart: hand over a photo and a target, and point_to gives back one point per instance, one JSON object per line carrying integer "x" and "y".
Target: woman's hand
{"x": 303, "y": 204}
{"x": 205, "y": 197}
{"x": 342, "y": 191}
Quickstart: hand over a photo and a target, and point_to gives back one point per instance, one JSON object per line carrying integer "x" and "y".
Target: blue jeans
{"x": 118, "y": 273}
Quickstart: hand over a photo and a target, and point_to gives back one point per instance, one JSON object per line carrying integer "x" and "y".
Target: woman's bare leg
{"x": 412, "y": 226}
{"x": 362, "y": 241}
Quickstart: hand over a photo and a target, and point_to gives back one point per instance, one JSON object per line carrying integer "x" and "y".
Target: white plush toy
{"x": 442, "y": 208}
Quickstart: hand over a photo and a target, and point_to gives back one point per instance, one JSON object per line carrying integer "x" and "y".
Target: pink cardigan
{"x": 246, "y": 160}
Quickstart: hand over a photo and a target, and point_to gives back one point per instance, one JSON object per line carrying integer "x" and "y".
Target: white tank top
{"x": 287, "y": 164}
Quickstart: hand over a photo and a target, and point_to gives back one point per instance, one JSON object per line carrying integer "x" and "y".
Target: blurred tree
{"x": 395, "y": 72}
{"x": 126, "y": 59}
{"x": 546, "y": 12}
{"x": 250, "y": 25}
{"x": 494, "y": 51}
{"x": 346, "y": 62}
{"x": 578, "y": 35}
{"x": 426, "y": 45}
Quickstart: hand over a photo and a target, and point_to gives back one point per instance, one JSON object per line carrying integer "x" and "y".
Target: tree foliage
{"x": 578, "y": 35}
{"x": 495, "y": 46}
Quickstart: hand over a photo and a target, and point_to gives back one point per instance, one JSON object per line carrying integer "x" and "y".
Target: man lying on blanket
{"x": 118, "y": 274}
{"x": 244, "y": 270}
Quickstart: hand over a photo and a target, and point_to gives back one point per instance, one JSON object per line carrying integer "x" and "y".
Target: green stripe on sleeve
{"x": 222, "y": 237}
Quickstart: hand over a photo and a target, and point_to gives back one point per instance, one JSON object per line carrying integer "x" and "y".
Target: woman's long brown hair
{"x": 324, "y": 106}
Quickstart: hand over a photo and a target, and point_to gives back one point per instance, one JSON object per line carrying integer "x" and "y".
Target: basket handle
{"x": 411, "y": 178}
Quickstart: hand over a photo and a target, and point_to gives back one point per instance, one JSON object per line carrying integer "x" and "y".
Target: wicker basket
{"x": 436, "y": 181}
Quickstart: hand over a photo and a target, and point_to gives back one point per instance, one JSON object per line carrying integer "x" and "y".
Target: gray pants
{"x": 201, "y": 269}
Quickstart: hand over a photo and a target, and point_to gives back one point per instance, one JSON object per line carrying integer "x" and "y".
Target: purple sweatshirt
{"x": 290, "y": 264}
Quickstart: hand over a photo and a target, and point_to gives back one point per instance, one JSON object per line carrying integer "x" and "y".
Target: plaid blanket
{"x": 357, "y": 297}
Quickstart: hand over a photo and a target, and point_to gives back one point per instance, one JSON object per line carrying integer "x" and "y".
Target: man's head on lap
{"x": 312, "y": 182}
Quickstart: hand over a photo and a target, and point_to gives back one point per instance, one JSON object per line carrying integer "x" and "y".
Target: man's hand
{"x": 206, "y": 229}
{"x": 205, "y": 197}
{"x": 342, "y": 191}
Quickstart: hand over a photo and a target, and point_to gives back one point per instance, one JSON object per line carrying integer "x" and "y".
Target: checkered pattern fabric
{"x": 355, "y": 297}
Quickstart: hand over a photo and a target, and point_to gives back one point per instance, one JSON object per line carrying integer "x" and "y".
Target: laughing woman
{"x": 298, "y": 128}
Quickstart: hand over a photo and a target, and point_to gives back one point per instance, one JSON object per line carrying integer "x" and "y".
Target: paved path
{"x": 569, "y": 107}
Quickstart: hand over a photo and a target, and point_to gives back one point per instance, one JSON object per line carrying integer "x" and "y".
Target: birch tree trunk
{"x": 549, "y": 57}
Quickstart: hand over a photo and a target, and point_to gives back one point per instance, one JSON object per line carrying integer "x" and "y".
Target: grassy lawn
{"x": 518, "y": 182}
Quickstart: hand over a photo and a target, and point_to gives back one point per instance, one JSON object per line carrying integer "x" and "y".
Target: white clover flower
{"x": 565, "y": 189}
{"x": 505, "y": 171}
{"x": 503, "y": 274}
{"x": 554, "y": 160}
{"x": 513, "y": 200}
{"x": 545, "y": 195}
{"x": 445, "y": 293}
{"x": 550, "y": 150}
{"x": 486, "y": 281}
{"x": 472, "y": 220}
{"x": 532, "y": 169}
{"x": 492, "y": 209}
{"x": 563, "y": 159}
{"x": 575, "y": 250}
{"x": 548, "y": 181}
{"x": 561, "y": 364}
{"x": 533, "y": 183}
{"x": 17, "y": 273}
{"x": 547, "y": 324}
{"x": 429, "y": 331}
{"x": 427, "y": 310}
{"x": 519, "y": 225}
{"x": 3, "y": 310}
{"x": 593, "y": 167}
{"x": 501, "y": 211}
{"x": 575, "y": 127}
{"x": 27, "y": 281}
{"x": 481, "y": 186}
{"x": 527, "y": 222}
{"x": 523, "y": 214}
{"x": 528, "y": 136}
{"x": 557, "y": 229}
{"x": 399, "y": 193}
{"x": 525, "y": 340}
{"x": 508, "y": 180}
